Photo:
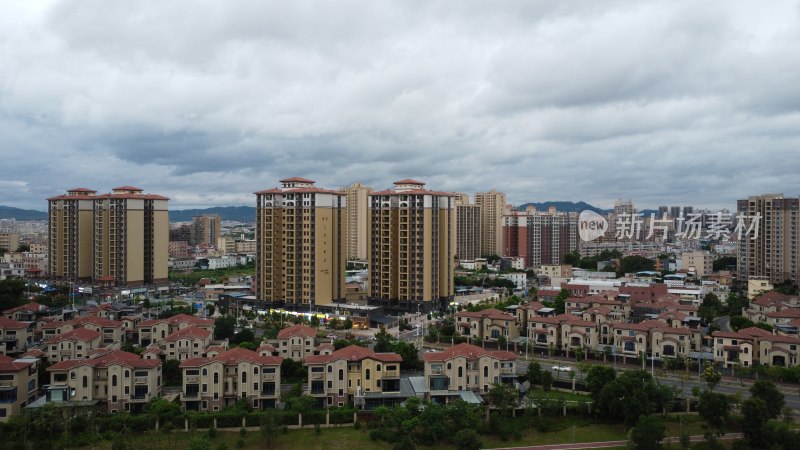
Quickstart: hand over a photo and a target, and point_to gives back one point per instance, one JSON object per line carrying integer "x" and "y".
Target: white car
{"x": 562, "y": 368}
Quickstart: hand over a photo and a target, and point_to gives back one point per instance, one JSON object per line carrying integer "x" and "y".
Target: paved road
{"x": 607, "y": 444}
{"x": 724, "y": 323}
{"x": 684, "y": 385}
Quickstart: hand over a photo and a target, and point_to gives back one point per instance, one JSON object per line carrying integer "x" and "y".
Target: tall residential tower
{"x": 492, "y": 206}
{"x": 300, "y": 244}
{"x": 412, "y": 247}
{"x": 357, "y": 221}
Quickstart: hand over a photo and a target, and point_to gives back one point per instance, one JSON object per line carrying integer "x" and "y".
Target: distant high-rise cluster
{"x": 118, "y": 238}
{"x": 540, "y": 237}
{"x": 205, "y": 230}
{"x": 492, "y": 205}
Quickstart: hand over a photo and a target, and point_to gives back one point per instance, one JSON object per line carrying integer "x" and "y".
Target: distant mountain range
{"x": 248, "y": 213}
{"x": 8, "y": 212}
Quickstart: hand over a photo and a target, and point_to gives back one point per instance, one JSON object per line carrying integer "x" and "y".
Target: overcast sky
{"x": 666, "y": 103}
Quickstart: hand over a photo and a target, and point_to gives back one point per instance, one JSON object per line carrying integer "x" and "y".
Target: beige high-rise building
{"x": 71, "y": 234}
{"x": 357, "y": 220}
{"x": 492, "y": 206}
{"x": 770, "y": 243}
{"x": 468, "y": 229}
{"x": 206, "y": 229}
{"x": 412, "y": 247}
{"x": 131, "y": 237}
{"x": 120, "y": 238}
{"x": 300, "y": 244}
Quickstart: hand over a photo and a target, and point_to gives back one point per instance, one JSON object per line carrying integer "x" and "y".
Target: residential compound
{"x": 540, "y": 238}
{"x": 412, "y": 246}
{"x": 115, "y": 239}
{"x": 487, "y": 325}
{"x": 301, "y": 248}
{"x": 770, "y": 244}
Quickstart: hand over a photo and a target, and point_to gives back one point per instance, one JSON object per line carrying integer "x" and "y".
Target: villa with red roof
{"x": 75, "y": 344}
{"x": 15, "y": 336}
{"x": 187, "y": 343}
{"x": 353, "y": 375}
{"x": 156, "y": 330}
{"x": 450, "y": 374}
{"x": 297, "y": 341}
{"x": 18, "y": 385}
{"x": 487, "y": 325}
{"x": 212, "y": 383}
{"x": 117, "y": 380}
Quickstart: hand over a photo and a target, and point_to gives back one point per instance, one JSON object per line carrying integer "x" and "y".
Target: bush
{"x": 467, "y": 440}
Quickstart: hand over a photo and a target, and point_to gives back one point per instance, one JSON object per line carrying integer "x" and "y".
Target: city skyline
{"x": 667, "y": 103}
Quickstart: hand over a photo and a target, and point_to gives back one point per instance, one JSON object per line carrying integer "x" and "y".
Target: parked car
{"x": 562, "y": 368}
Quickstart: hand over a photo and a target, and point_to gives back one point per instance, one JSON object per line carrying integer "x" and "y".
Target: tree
{"x": 383, "y": 341}
{"x": 547, "y": 380}
{"x": 735, "y": 304}
{"x": 648, "y": 433}
{"x": 597, "y": 377}
{"x": 246, "y": 335}
{"x": 534, "y": 373}
{"x": 292, "y": 371}
{"x": 410, "y": 355}
{"x": 630, "y": 395}
{"x": 173, "y": 375}
{"x": 767, "y": 391}
{"x": 711, "y": 376}
{"x": 560, "y": 301}
{"x": 199, "y": 442}
{"x": 715, "y": 409}
{"x": 503, "y": 397}
{"x": 572, "y": 258}
{"x": 739, "y": 322}
{"x": 467, "y": 439}
{"x": 224, "y": 327}
{"x": 755, "y": 414}
{"x": 12, "y": 293}
{"x": 633, "y": 264}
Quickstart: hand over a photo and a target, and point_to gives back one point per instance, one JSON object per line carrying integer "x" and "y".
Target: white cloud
{"x": 664, "y": 102}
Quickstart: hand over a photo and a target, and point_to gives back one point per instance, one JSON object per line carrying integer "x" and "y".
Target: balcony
{"x": 140, "y": 380}
{"x": 192, "y": 379}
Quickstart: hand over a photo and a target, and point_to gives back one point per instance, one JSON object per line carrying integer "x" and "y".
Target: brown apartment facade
{"x": 540, "y": 238}
{"x": 300, "y": 244}
{"x": 492, "y": 205}
{"x": 118, "y": 239}
{"x": 412, "y": 247}
{"x": 770, "y": 243}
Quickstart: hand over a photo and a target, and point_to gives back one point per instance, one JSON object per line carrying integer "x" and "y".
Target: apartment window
{"x": 205, "y": 388}
{"x": 114, "y": 381}
{"x": 85, "y": 381}
{"x": 216, "y": 378}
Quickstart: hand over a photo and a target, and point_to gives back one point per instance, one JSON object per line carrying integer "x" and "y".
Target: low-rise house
{"x": 212, "y": 383}
{"x": 15, "y": 336}
{"x": 734, "y": 348}
{"x": 351, "y": 374}
{"x": 630, "y": 339}
{"x": 117, "y": 380}
{"x": 75, "y": 344}
{"x": 187, "y": 343}
{"x": 29, "y": 312}
{"x": 777, "y": 350}
{"x": 18, "y": 385}
{"x": 156, "y": 330}
{"x": 297, "y": 341}
{"x": 466, "y": 367}
{"x": 487, "y": 325}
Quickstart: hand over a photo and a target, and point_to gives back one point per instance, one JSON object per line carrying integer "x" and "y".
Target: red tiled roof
{"x": 269, "y": 191}
{"x": 127, "y": 188}
{"x": 266, "y": 348}
{"x": 755, "y": 332}
{"x": 80, "y": 189}
{"x": 411, "y": 192}
{"x": 326, "y": 346}
{"x": 490, "y": 313}
{"x": 7, "y": 364}
{"x": 32, "y": 307}
{"x": 409, "y": 181}
{"x": 234, "y": 356}
{"x": 468, "y": 351}
{"x": 189, "y": 333}
{"x": 791, "y": 313}
{"x": 82, "y": 334}
{"x": 153, "y": 349}
{"x": 176, "y": 320}
{"x": 297, "y": 330}
{"x": 114, "y": 357}
{"x": 94, "y": 320}
{"x": 297, "y": 180}
{"x": 352, "y": 353}
{"x": 5, "y": 322}
{"x": 35, "y": 352}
